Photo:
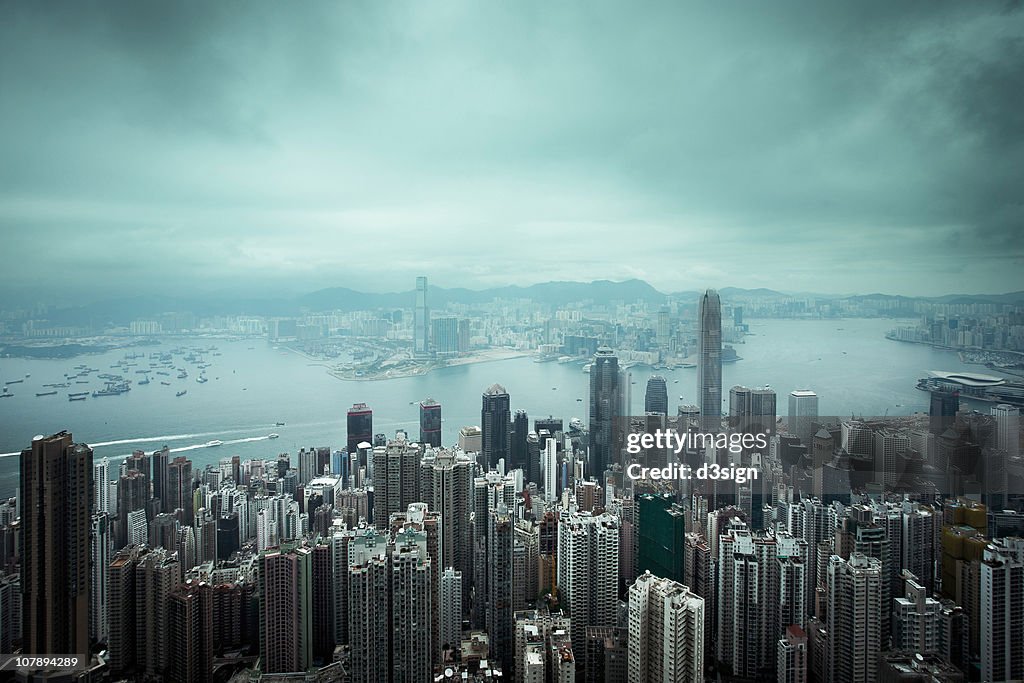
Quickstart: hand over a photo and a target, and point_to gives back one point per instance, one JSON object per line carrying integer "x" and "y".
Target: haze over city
{"x": 851, "y": 148}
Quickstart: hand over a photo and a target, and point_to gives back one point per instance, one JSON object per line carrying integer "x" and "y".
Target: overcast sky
{"x": 830, "y": 147}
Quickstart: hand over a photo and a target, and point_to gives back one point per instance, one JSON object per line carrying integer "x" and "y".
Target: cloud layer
{"x": 267, "y": 147}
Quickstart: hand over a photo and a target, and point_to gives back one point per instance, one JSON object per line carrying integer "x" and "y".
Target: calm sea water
{"x": 849, "y": 363}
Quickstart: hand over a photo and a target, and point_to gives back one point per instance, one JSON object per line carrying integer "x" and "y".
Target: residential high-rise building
{"x": 709, "y": 361}
{"x": 396, "y": 479}
{"x": 56, "y": 518}
{"x": 430, "y": 423}
{"x": 101, "y": 486}
{"x": 495, "y": 418}
{"x": 916, "y": 619}
{"x": 588, "y": 571}
{"x": 500, "y": 539}
{"x": 605, "y": 411}
{"x": 131, "y": 497}
{"x": 369, "y": 621}
{"x": 1001, "y": 614}
{"x": 446, "y": 483}
{"x": 286, "y": 624}
{"x": 360, "y": 426}
{"x": 191, "y": 633}
{"x": 157, "y": 572}
{"x": 791, "y": 666}
{"x": 101, "y": 544}
{"x": 412, "y": 607}
{"x": 451, "y": 608}
{"x": 803, "y": 414}
{"x": 421, "y": 319}
{"x": 666, "y": 632}
{"x": 656, "y": 396}
{"x": 179, "y": 488}
{"x": 854, "y": 619}
{"x": 761, "y": 591}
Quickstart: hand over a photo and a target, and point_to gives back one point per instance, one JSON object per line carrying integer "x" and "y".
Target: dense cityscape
{"x": 526, "y": 342}
{"x": 861, "y": 549}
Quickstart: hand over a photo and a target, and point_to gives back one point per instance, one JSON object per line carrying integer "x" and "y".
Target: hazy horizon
{"x": 193, "y": 148}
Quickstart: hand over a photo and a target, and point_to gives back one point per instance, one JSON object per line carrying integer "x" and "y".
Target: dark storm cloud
{"x": 802, "y": 146}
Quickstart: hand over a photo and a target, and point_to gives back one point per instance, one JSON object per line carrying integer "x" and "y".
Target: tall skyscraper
{"x": 286, "y": 625}
{"x": 1002, "y": 614}
{"x": 411, "y": 608}
{"x": 588, "y": 571}
{"x": 656, "y": 397}
{"x": 430, "y": 423}
{"x": 517, "y": 444}
{"x": 368, "y": 608}
{"x": 803, "y": 413}
{"x": 709, "y": 361}
{"x": 550, "y": 462}
{"x": 446, "y": 481}
{"x": 100, "y": 547}
{"x": 662, "y": 536}
{"x": 56, "y": 517}
{"x": 752, "y": 411}
{"x": 666, "y": 632}
{"x": 179, "y": 488}
{"x": 1007, "y": 428}
{"x": 396, "y": 479}
{"x": 421, "y": 319}
{"x": 605, "y": 403}
{"x": 499, "y": 586}
{"x": 854, "y": 619}
{"x": 942, "y": 410}
{"x": 360, "y": 426}
{"x": 495, "y": 418}
{"x": 190, "y": 632}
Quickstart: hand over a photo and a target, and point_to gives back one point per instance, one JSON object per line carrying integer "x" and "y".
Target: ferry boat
{"x": 273, "y": 436}
{"x": 215, "y": 442}
{"x": 182, "y": 392}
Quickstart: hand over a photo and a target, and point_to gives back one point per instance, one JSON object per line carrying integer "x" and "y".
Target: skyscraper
{"x": 803, "y": 413}
{"x": 941, "y": 410}
{"x": 854, "y": 619}
{"x": 286, "y": 626}
{"x": 605, "y": 398}
{"x": 495, "y": 418}
{"x": 662, "y": 535}
{"x": 588, "y": 571}
{"x": 396, "y": 479}
{"x": 360, "y": 426}
{"x": 1002, "y": 614}
{"x": 411, "y": 608}
{"x": 179, "y": 488}
{"x": 56, "y": 517}
{"x": 656, "y": 397}
{"x": 666, "y": 632}
{"x": 430, "y": 423}
{"x": 499, "y": 586}
{"x": 1007, "y": 428}
{"x": 421, "y": 319}
{"x": 517, "y": 444}
{"x": 709, "y": 361}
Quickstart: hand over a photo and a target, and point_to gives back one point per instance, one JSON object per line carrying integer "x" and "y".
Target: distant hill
{"x": 558, "y": 293}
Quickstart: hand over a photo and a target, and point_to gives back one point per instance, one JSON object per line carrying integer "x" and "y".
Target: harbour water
{"x": 252, "y": 386}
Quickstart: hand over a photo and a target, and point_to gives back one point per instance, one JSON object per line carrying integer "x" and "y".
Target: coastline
{"x": 419, "y": 369}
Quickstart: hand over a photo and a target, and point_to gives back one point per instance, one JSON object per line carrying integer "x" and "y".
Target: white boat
{"x": 273, "y": 436}
{"x": 215, "y": 442}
